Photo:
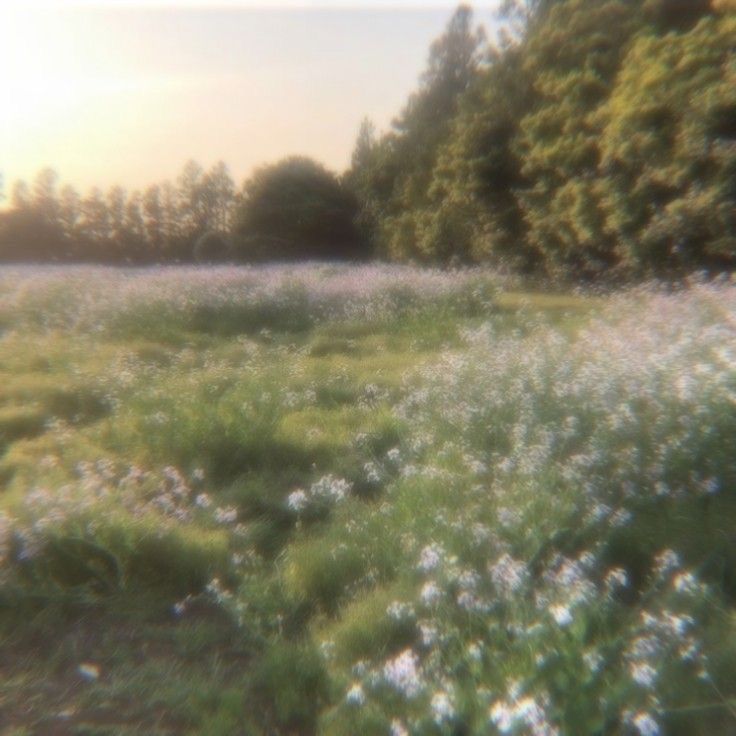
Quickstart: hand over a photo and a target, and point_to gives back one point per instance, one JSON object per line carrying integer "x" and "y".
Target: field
{"x": 364, "y": 500}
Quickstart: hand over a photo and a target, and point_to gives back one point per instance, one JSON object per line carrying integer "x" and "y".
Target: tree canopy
{"x": 296, "y": 209}
{"x": 594, "y": 137}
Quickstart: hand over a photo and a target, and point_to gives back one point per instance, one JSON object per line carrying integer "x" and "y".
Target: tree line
{"x": 289, "y": 210}
{"x": 592, "y": 137}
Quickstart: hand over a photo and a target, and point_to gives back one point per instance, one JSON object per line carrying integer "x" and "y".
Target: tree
{"x": 218, "y": 196}
{"x": 95, "y": 226}
{"x": 572, "y": 55}
{"x": 69, "y": 217}
{"x": 135, "y": 246}
{"x": 118, "y": 240}
{"x": 394, "y": 174}
{"x": 475, "y": 214}
{"x": 153, "y": 223}
{"x": 669, "y": 150}
{"x": 362, "y": 179}
{"x": 296, "y": 209}
{"x": 191, "y": 203}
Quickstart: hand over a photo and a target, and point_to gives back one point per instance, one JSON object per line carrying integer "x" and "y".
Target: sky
{"x": 114, "y": 92}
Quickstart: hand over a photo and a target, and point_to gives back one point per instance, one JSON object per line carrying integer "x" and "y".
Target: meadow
{"x": 346, "y": 500}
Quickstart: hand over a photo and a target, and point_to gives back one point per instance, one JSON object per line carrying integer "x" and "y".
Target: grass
{"x": 266, "y": 518}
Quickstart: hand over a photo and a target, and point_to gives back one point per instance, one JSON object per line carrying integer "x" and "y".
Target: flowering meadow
{"x": 364, "y": 500}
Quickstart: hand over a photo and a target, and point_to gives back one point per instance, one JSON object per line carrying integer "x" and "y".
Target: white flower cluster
{"x": 402, "y": 673}
{"x": 96, "y": 298}
{"x": 328, "y": 490}
{"x": 522, "y": 713}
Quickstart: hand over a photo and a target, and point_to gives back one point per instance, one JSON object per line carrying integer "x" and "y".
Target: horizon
{"x": 126, "y": 93}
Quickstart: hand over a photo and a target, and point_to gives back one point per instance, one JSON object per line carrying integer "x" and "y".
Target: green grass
{"x": 152, "y": 476}
{"x": 199, "y": 399}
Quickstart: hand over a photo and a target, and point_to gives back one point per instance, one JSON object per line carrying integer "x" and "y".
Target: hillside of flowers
{"x": 364, "y": 500}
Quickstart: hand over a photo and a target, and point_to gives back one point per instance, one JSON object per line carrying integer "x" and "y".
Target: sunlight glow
{"x": 126, "y": 92}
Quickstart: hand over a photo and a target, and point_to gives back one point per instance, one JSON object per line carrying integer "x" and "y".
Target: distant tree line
{"x": 47, "y": 221}
{"x": 290, "y": 210}
{"x": 593, "y": 137}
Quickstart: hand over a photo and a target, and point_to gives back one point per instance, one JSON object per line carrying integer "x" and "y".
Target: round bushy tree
{"x": 296, "y": 209}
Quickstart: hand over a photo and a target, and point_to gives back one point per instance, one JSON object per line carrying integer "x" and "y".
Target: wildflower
{"x": 645, "y": 724}
{"x": 430, "y": 558}
{"x": 508, "y": 716}
{"x": 686, "y": 582}
{"x": 593, "y": 661}
{"x": 616, "y": 578}
{"x": 428, "y": 633}
{"x": 297, "y": 500}
{"x": 372, "y": 472}
{"x": 180, "y": 607}
{"x": 402, "y": 673}
{"x": 430, "y": 594}
{"x": 355, "y": 696}
{"x": 89, "y": 671}
{"x": 399, "y": 611}
{"x": 621, "y": 517}
{"x": 329, "y": 488}
{"x": 643, "y": 674}
{"x": 442, "y": 707}
{"x": 327, "y": 649}
{"x": 203, "y": 501}
{"x": 475, "y": 651}
{"x": 666, "y": 562}
{"x": 561, "y": 615}
{"x": 226, "y": 515}
{"x": 502, "y": 716}
{"x": 508, "y": 574}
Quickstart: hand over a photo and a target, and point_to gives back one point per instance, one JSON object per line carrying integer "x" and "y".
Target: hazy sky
{"x": 121, "y": 92}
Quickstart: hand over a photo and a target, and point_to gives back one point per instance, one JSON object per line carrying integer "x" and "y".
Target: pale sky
{"x": 126, "y": 92}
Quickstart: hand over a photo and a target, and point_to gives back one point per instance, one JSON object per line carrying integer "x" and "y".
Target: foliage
{"x": 295, "y": 210}
{"x": 674, "y": 107}
{"x": 392, "y": 175}
{"x": 593, "y": 140}
{"x": 164, "y": 223}
{"x": 572, "y": 58}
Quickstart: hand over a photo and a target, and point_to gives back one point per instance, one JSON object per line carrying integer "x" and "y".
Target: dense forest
{"x": 590, "y": 138}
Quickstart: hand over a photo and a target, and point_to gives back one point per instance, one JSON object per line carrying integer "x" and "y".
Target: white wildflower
{"x": 430, "y": 558}
{"x": 430, "y": 593}
{"x": 443, "y": 709}
{"x": 561, "y": 615}
{"x": 297, "y": 500}
{"x": 355, "y": 696}
{"x": 402, "y": 673}
{"x": 203, "y": 501}
{"x": 645, "y": 724}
